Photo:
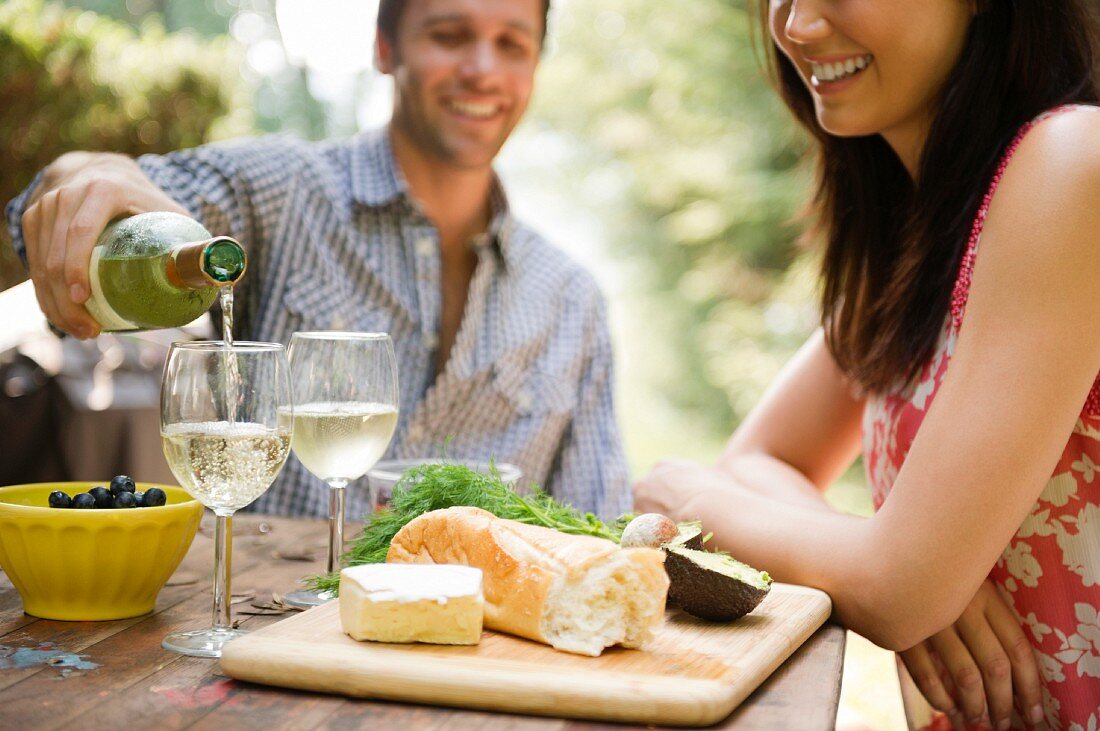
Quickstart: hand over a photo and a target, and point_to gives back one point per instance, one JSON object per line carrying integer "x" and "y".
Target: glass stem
{"x": 223, "y": 568}
{"x": 336, "y": 523}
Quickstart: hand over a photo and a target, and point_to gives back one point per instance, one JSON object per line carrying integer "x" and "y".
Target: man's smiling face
{"x": 463, "y": 74}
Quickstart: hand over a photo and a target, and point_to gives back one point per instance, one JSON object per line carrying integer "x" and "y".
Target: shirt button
{"x": 425, "y": 246}
{"x": 431, "y": 341}
{"x": 524, "y": 402}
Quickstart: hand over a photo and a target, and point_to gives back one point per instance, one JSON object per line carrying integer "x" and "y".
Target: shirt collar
{"x": 376, "y": 181}
{"x": 501, "y": 225}
{"x": 375, "y": 178}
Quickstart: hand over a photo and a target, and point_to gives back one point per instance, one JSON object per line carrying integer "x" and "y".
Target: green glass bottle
{"x": 158, "y": 270}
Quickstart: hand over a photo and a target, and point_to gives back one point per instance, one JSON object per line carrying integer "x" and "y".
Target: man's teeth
{"x": 474, "y": 109}
{"x": 841, "y": 69}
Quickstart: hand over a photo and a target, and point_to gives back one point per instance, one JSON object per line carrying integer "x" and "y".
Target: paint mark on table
{"x": 21, "y": 658}
{"x": 211, "y": 692}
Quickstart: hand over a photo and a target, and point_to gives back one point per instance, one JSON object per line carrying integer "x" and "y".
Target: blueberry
{"x": 103, "y": 497}
{"x": 83, "y": 501}
{"x": 60, "y": 499}
{"x": 154, "y": 497}
{"x": 122, "y": 483}
{"x": 125, "y": 500}
{"x": 139, "y": 497}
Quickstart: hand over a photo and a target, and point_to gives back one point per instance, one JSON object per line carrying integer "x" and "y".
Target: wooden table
{"x": 140, "y": 685}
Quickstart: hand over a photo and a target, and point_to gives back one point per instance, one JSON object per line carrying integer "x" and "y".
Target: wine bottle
{"x": 158, "y": 270}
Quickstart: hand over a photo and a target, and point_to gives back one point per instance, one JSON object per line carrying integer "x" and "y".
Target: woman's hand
{"x": 986, "y": 663}
{"x": 673, "y": 485}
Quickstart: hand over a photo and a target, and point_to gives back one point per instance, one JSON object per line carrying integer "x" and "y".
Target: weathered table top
{"x": 137, "y": 684}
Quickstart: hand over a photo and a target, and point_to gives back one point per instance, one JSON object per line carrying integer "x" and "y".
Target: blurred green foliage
{"x": 207, "y": 18}
{"x": 282, "y": 102}
{"x": 73, "y": 80}
{"x": 693, "y": 160}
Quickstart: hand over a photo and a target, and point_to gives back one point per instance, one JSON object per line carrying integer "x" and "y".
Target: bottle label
{"x": 97, "y": 304}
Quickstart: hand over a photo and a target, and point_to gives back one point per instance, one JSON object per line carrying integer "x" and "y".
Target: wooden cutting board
{"x": 693, "y": 673}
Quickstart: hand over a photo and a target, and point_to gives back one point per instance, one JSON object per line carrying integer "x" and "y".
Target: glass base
{"x": 307, "y": 599}
{"x": 201, "y": 642}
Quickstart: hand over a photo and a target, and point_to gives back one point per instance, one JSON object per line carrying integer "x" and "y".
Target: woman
{"x": 959, "y": 197}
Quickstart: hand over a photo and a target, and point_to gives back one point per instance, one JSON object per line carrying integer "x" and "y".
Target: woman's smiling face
{"x": 873, "y": 66}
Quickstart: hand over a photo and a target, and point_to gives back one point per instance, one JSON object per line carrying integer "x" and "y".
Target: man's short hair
{"x": 390, "y": 11}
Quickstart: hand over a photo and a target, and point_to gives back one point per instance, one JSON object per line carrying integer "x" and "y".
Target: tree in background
{"x": 73, "y": 80}
{"x": 281, "y": 98}
{"x": 691, "y": 158}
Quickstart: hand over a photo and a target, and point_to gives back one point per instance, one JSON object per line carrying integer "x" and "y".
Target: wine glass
{"x": 346, "y": 398}
{"x": 225, "y": 422}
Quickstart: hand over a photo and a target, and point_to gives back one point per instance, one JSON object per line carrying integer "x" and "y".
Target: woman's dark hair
{"x": 390, "y": 11}
{"x": 893, "y": 246}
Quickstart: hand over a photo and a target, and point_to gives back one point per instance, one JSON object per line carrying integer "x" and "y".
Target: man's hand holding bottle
{"x": 79, "y": 194}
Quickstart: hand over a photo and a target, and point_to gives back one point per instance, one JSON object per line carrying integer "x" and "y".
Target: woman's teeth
{"x": 474, "y": 109}
{"x": 841, "y": 69}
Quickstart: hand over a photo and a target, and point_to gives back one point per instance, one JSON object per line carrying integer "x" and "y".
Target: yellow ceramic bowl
{"x": 91, "y": 564}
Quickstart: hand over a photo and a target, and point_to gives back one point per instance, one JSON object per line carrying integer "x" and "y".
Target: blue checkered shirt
{"x": 336, "y": 242}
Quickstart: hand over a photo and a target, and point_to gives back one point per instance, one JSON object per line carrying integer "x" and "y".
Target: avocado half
{"x": 713, "y": 586}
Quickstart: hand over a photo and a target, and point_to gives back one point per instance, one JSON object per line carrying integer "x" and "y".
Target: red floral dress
{"x": 1050, "y": 571}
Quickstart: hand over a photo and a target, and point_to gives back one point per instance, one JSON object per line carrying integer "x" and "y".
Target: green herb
{"x": 437, "y": 486}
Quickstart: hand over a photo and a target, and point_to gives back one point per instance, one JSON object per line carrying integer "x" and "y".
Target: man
{"x": 501, "y": 340}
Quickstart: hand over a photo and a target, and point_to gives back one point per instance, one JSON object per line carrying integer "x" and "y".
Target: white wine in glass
{"x": 342, "y": 439}
{"x": 345, "y": 413}
{"x": 225, "y": 422}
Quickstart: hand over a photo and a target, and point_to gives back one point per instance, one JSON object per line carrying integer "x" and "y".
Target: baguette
{"x": 575, "y": 593}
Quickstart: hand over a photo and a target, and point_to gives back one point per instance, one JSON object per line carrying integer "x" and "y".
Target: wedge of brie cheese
{"x": 436, "y": 603}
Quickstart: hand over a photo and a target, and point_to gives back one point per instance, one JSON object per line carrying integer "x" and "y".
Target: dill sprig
{"x": 436, "y": 486}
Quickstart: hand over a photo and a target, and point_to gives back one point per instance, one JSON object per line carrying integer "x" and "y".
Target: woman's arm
{"x": 1023, "y": 365}
{"x": 797, "y": 440}
{"x": 804, "y": 433}
{"x": 1026, "y": 357}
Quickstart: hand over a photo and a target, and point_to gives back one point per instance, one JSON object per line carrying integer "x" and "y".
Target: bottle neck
{"x": 214, "y": 262}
